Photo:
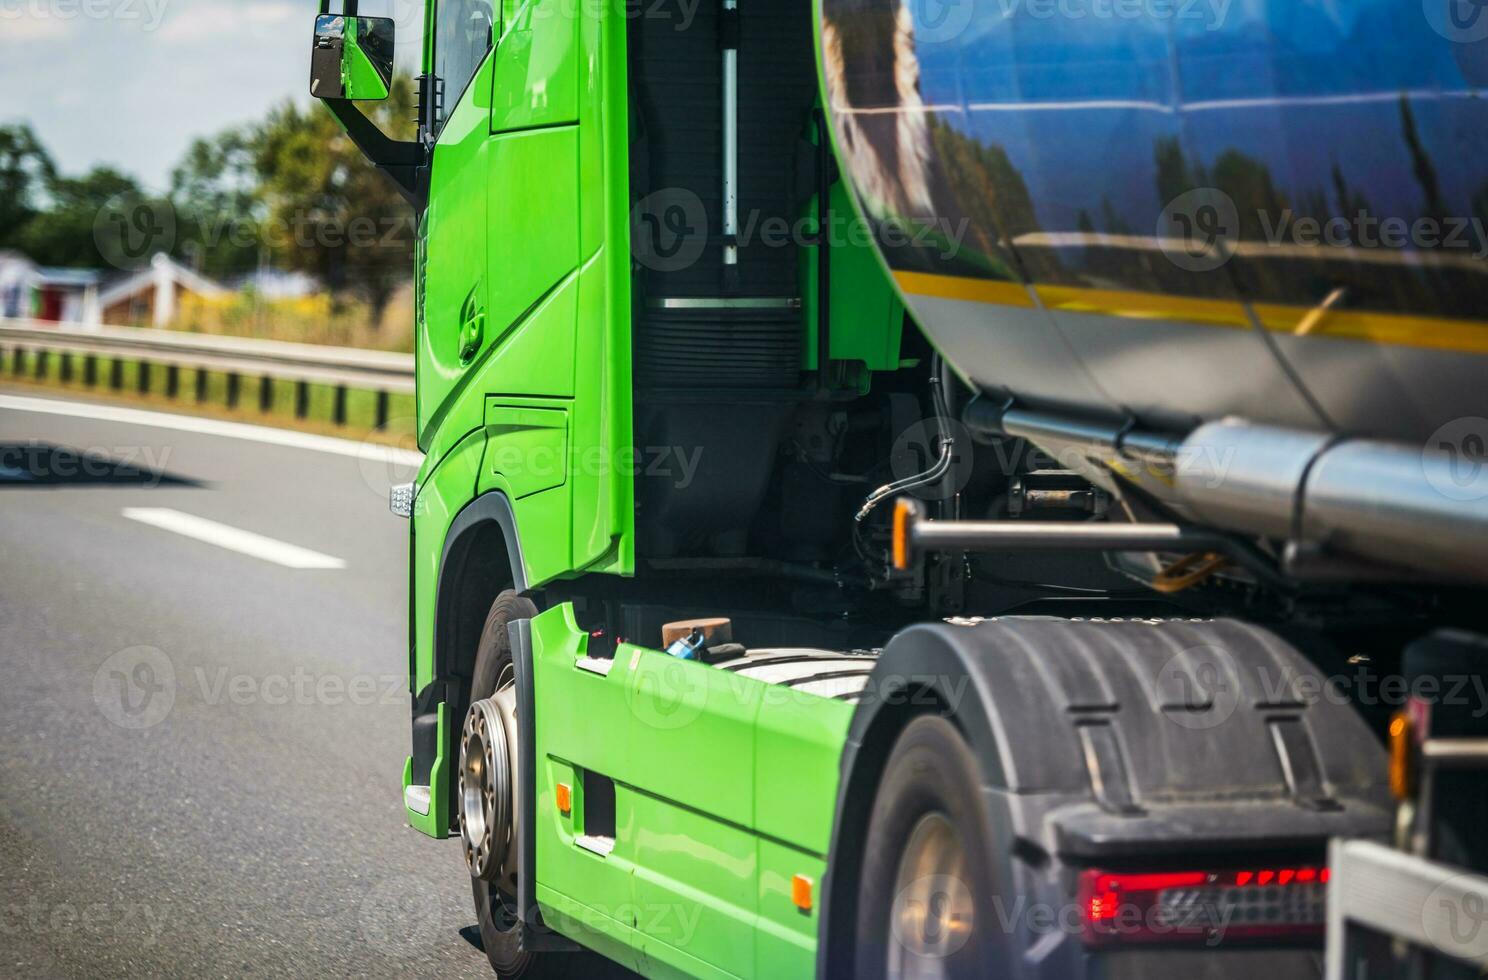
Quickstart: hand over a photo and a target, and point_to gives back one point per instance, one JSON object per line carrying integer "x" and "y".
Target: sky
{"x": 130, "y": 83}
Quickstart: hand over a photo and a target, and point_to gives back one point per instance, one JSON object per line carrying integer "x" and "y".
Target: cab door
{"x": 533, "y": 212}
{"x": 454, "y": 291}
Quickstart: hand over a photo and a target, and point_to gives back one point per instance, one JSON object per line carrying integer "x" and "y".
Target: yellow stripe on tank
{"x": 1404, "y": 330}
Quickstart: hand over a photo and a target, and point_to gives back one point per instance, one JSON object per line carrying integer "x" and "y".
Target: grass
{"x": 315, "y": 319}
{"x": 361, "y": 405}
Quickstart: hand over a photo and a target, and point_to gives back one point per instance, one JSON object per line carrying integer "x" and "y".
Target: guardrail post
{"x": 142, "y": 378}
{"x": 64, "y": 370}
{"x": 382, "y": 409}
{"x": 90, "y": 370}
{"x": 18, "y": 363}
{"x": 201, "y": 385}
{"x": 41, "y": 365}
{"x": 116, "y": 373}
{"x": 302, "y": 399}
{"x": 232, "y": 390}
{"x": 172, "y": 380}
{"x": 340, "y": 414}
{"x": 265, "y": 393}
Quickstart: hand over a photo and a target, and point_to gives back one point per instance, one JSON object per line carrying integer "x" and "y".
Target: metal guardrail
{"x": 236, "y": 357}
{"x": 380, "y": 370}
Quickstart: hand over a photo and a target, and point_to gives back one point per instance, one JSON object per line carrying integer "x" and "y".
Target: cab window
{"x": 463, "y": 30}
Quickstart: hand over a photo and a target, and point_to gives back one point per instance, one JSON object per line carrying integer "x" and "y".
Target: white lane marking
{"x": 232, "y": 538}
{"x": 371, "y": 452}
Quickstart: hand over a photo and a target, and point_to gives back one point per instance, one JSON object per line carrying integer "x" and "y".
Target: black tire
{"x": 930, "y": 785}
{"x": 494, "y": 911}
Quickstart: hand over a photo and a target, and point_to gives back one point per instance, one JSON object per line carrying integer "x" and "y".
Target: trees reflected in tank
{"x": 1356, "y": 182}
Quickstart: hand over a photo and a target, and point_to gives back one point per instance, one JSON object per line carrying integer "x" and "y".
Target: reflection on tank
{"x": 1313, "y": 155}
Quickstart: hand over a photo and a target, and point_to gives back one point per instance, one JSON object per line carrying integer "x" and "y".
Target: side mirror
{"x": 352, "y": 57}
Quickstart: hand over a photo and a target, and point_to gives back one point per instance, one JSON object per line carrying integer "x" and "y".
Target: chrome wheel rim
{"x": 933, "y": 912}
{"x": 487, "y": 794}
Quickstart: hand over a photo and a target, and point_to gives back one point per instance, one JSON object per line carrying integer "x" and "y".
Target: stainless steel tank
{"x": 1173, "y": 211}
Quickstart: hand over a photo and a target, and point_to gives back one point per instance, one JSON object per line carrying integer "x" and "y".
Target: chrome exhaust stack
{"x": 1336, "y": 499}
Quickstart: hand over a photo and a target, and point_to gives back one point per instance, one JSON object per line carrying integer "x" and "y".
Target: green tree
{"x": 215, "y": 193}
{"x": 25, "y": 171}
{"x": 327, "y": 210}
{"x": 64, "y": 233}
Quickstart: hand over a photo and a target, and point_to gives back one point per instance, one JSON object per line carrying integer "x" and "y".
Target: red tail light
{"x": 1205, "y": 907}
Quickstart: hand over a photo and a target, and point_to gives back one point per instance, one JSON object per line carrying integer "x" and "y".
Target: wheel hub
{"x": 933, "y": 911}
{"x": 487, "y": 790}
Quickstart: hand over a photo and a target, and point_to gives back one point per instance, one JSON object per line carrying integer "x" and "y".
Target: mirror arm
{"x": 403, "y": 161}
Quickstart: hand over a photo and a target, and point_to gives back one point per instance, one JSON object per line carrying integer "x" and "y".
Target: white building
{"x": 151, "y": 295}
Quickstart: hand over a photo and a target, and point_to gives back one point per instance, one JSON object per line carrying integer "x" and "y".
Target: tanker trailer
{"x": 1227, "y": 263}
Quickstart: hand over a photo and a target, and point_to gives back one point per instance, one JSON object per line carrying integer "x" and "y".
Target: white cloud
{"x": 196, "y": 23}
{"x": 214, "y": 19}
{"x": 269, "y": 12}
{"x": 28, "y": 29}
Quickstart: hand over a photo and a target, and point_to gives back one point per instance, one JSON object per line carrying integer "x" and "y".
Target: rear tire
{"x": 925, "y": 892}
{"x": 495, "y": 907}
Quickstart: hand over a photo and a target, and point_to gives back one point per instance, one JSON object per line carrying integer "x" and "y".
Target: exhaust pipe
{"x": 1363, "y": 499}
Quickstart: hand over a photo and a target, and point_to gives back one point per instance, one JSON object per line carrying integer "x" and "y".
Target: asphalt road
{"x": 201, "y": 748}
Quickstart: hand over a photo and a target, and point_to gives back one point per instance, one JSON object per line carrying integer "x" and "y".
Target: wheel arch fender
{"x": 480, "y": 558}
{"x": 1098, "y": 738}
{"x": 923, "y": 670}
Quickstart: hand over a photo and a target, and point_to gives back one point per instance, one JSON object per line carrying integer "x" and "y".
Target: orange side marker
{"x": 565, "y": 799}
{"x": 801, "y": 892}
{"x": 903, "y": 512}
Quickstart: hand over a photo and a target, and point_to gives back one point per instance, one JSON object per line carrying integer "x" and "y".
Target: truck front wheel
{"x": 925, "y": 891}
{"x": 490, "y": 808}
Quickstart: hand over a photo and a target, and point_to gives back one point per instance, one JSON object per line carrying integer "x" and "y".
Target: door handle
{"x": 472, "y": 329}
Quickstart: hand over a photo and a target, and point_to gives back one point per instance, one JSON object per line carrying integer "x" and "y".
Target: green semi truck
{"x": 837, "y": 554}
